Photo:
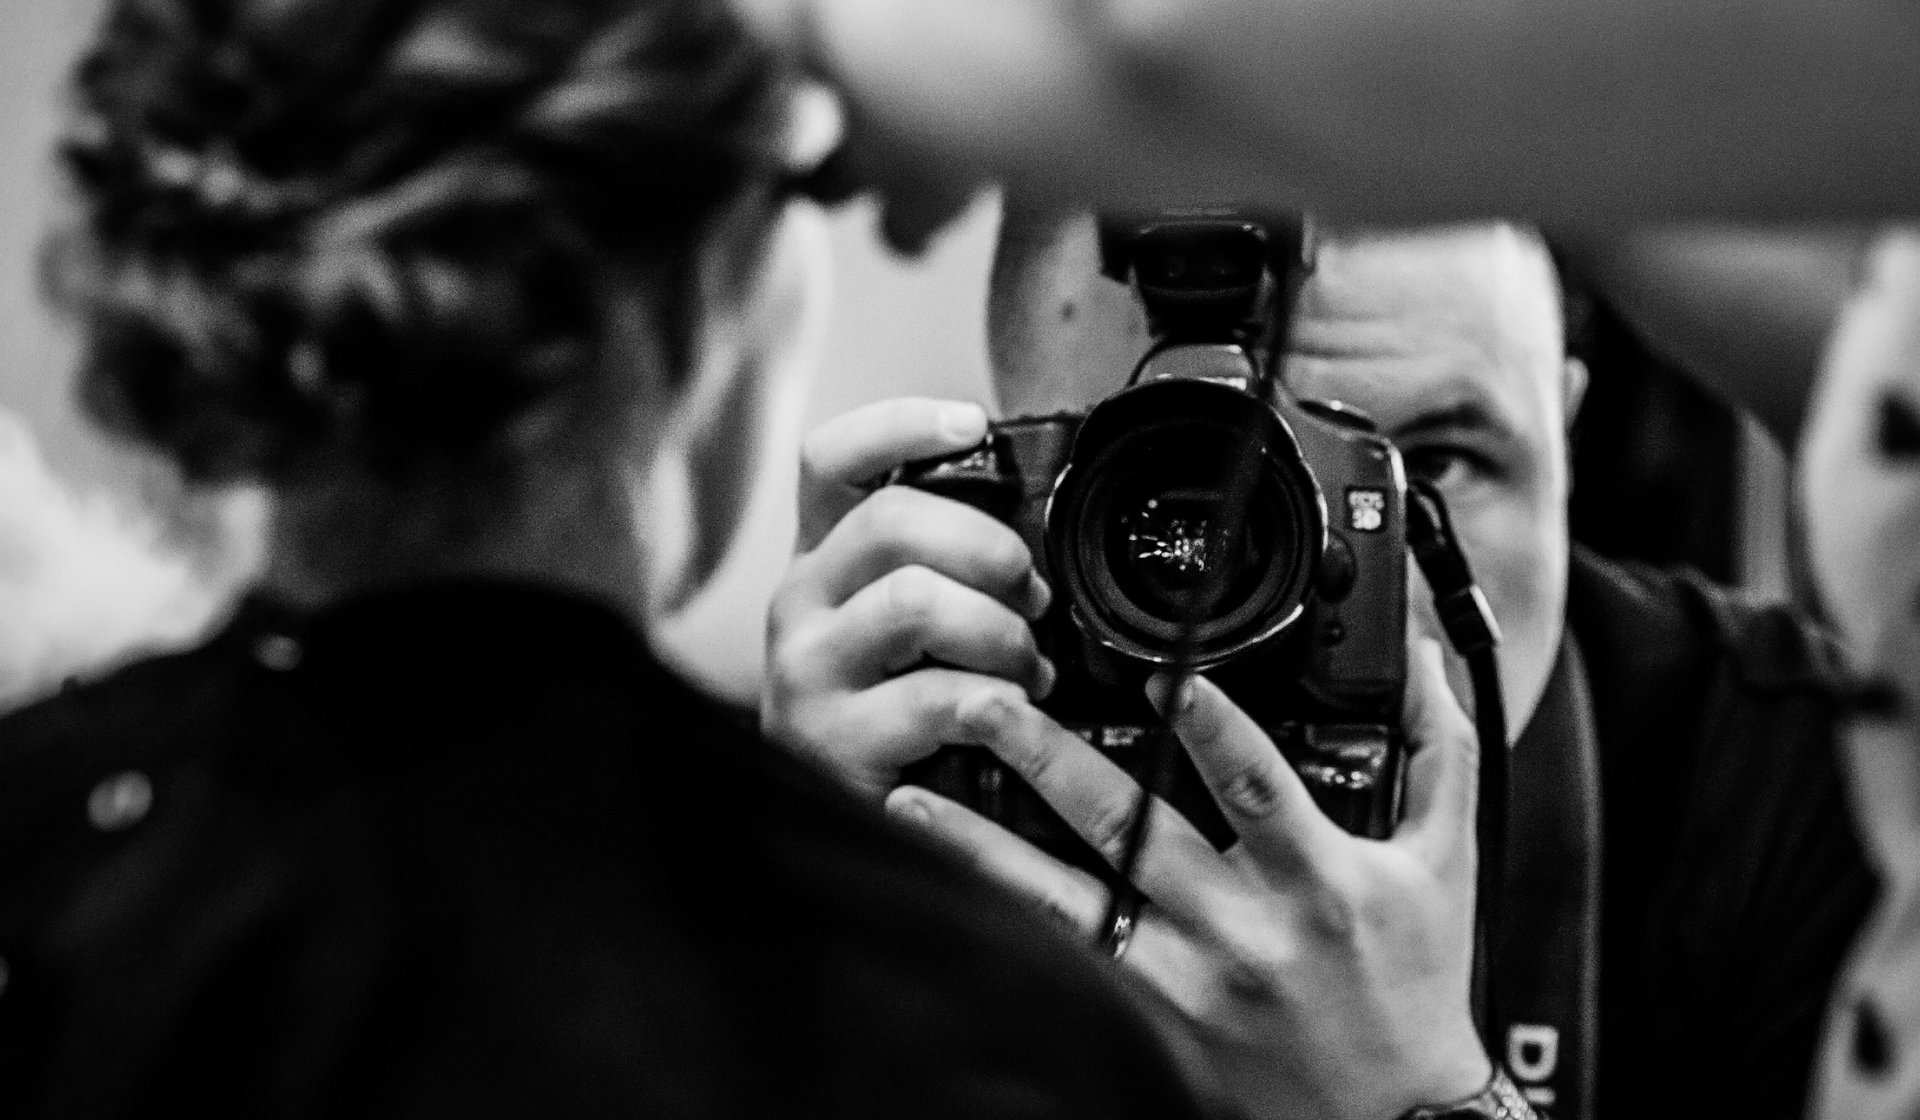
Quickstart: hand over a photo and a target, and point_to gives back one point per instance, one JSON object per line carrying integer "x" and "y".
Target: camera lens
{"x": 1140, "y": 523}
{"x": 1168, "y": 545}
{"x": 1163, "y": 547}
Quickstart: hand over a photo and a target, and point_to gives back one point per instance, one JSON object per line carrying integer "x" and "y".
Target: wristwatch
{"x": 1500, "y": 1100}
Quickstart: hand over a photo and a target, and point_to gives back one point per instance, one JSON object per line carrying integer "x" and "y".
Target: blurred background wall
{"x": 37, "y": 41}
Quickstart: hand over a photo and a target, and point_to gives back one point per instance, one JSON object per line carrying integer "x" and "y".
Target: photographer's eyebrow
{"x": 1463, "y": 414}
{"x": 1457, "y": 402}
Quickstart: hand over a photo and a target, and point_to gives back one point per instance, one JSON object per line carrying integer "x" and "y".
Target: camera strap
{"x": 1537, "y": 943}
{"x": 1547, "y": 946}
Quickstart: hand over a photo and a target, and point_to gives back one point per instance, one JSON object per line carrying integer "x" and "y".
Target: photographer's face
{"x": 1450, "y": 339}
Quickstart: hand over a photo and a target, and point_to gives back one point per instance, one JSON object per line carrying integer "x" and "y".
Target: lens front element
{"x": 1169, "y": 545}
{"x": 1138, "y": 524}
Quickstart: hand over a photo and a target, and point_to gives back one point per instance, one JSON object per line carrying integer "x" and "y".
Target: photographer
{"x": 1692, "y": 735}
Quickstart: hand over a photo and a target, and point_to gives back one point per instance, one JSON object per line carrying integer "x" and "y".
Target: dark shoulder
{"x": 1681, "y": 668}
{"x": 134, "y": 724}
{"x": 132, "y": 716}
{"x": 1711, "y": 711}
{"x": 1675, "y": 625}
{"x": 1733, "y": 880}
{"x": 940, "y": 977}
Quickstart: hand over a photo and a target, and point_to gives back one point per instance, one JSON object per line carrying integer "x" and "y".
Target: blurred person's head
{"x": 445, "y": 275}
{"x": 1860, "y": 494}
{"x": 1450, "y": 338}
{"x": 1860, "y": 490}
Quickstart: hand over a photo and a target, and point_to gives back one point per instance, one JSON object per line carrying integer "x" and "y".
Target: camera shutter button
{"x": 1336, "y": 575}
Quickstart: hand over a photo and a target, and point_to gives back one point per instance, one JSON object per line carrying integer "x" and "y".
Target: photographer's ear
{"x": 1573, "y": 387}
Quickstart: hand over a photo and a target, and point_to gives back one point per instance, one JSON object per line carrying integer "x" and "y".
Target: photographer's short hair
{"x": 385, "y": 224}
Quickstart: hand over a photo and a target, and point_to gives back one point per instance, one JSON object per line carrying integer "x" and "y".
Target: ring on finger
{"x": 1119, "y": 932}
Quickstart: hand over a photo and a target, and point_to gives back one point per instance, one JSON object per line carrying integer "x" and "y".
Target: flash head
{"x": 1205, "y": 274}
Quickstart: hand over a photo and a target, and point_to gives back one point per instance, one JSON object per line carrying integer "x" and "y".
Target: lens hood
{"x": 1136, "y": 524}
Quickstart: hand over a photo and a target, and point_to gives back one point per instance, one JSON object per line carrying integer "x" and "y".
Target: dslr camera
{"x": 1294, "y": 603}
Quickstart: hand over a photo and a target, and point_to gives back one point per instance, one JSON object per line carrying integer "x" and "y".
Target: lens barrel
{"x": 1137, "y": 526}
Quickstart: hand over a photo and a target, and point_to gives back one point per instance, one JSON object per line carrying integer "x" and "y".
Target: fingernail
{"x": 1171, "y": 695}
{"x": 1039, "y": 596}
{"x": 1048, "y": 676}
{"x": 981, "y": 715}
{"x": 963, "y": 425}
{"x": 909, "y": 805}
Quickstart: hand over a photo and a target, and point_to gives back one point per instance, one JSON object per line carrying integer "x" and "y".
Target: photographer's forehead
{"x": 1403, "y": 324}
{"x": 1463, "y": 321}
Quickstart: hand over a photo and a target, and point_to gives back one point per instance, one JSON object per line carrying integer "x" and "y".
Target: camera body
{"x": 1303, "y": 622}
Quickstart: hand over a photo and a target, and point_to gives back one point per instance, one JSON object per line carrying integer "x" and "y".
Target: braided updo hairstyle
{"x": 386, "y": 224}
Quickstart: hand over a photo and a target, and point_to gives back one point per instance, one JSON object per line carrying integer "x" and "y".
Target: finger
{"x": 843, "y": 458}
{"x": 871, "y": 735}
{"x": 913, "y": 615}
{"x": 857, "y": 447}
{"x": 1443, "y": 776}
{"x": 1259, "y": 793}
{"x": 898, "y": 526}
{"x": 1073, "y": 899}
{"x": 1177, "y": 867}
{"x": 1068, "y": 895}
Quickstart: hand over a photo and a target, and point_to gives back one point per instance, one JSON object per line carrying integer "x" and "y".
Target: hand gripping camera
{"x": 1294, "y": 603}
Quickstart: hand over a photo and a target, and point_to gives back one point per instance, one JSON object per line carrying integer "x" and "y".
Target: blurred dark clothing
{"x": 1732, "y": 882}
{"x": 1657, "y": 456}
{"x": 470, "y": 851}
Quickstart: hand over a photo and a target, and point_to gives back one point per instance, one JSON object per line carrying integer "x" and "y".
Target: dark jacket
{"x": 1732, "y": 882}
{"x": 471, "y": 851}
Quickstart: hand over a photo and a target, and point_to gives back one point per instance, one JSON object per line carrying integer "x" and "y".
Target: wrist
{"x": 1467, "y": 1073}
{"x": 1457, "y": 1073}
{"x": 1496, "y": 1099}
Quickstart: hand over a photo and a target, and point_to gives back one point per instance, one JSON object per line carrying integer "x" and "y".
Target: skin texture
{"x": 902, "y": 626}
{"x": 1861, "y": 487}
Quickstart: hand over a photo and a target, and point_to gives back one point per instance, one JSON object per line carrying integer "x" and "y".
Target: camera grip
{"x": 1355, "y": 773}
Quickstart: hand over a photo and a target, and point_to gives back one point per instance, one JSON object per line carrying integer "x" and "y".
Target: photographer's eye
{"x": 1445, "y": 465}
{"x": 1898, "y": 436}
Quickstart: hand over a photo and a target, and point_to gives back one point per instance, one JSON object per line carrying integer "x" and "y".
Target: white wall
{"x": 896, "y": 328}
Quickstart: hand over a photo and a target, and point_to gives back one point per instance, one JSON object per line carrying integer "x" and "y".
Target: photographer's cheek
{"x": 1515, "y": 539}
{"x": 1423, "y": 625}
